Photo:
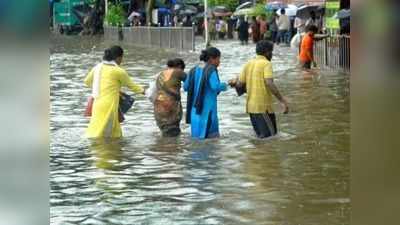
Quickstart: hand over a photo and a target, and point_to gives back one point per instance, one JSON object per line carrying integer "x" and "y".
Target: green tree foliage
{"x": 230, "y": 4}
{"x": 115, "y": 15}
{"x": 260, "y": 10}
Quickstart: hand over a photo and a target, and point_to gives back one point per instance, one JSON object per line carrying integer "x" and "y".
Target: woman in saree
{"x": 255, "y": 30}
{"x": 167, "y": 103}
{"x": 203, "y": 86}
{"x": 106, "y": 80}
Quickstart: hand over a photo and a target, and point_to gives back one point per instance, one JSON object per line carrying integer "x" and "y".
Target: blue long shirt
{"x": 205, "y": 125}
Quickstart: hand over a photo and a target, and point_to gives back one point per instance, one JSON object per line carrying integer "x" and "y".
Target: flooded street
{"x": 300, "y": 177}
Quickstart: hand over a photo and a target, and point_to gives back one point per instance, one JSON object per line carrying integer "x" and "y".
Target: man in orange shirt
{"x": 306, "y": 48}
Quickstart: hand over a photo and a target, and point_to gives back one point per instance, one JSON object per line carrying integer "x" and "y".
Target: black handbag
{"x": 125, "y": 102}
{"x": 240, "y": 89}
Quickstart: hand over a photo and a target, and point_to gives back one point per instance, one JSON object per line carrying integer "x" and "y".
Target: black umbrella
{"x": 304, "y": 11}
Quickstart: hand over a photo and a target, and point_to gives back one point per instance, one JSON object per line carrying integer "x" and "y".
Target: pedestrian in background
{"x": 212, "y": 28}
{"x": 187, "y": 22}
{"x": 221, "y": 27}
{"x": 243, "y": 30}
{"x": 231, "y": 26}
{"x": 283, "y": 23}
{"x": 263, "y": 27}
{"x": 273, "y": 27}
{"x": 255, "y": 30}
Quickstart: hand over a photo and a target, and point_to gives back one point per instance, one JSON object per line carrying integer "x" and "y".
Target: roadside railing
{"x": 333, "y": 53}
{"x": 180, "y": 38}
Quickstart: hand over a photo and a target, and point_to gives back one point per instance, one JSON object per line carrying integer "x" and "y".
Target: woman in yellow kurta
{"x": 106, "y": 80}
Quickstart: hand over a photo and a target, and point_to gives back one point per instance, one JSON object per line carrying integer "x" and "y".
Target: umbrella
{"x": 201, "y": 15}
{"x": 187, "y": 10}
{"x": 217, "y": 14}
{"x": 291, "y": 10}
{"x": 275, "y": 5}
{"x": 243, "y": 12}
{"x": 343, "y": 14}
{"x": 244, "y": 6}
{"x": 220, "y": 9}
{"x": 133, "y": 14}
{"x": 304, "y": 11}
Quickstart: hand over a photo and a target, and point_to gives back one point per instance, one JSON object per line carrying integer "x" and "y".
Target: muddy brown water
{"x": 300, "y": 177}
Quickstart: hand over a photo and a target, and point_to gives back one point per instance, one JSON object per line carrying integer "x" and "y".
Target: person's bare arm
{"x": 320, "y": 37}
{"x": 274, "y": 89}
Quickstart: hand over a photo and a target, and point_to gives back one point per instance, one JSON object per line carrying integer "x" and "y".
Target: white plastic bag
{"x": 151, "y": 92}
{"x": 295, "y": 42}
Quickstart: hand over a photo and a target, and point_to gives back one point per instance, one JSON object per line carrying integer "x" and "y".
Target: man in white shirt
{"x": 300, "y": 25}
{"x": 283, "y": 23}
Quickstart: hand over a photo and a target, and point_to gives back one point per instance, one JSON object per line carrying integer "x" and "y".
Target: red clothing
{"x": 263, "y": 27}
{"x": 307, "y": 45}
{"x": 255, "y": 32}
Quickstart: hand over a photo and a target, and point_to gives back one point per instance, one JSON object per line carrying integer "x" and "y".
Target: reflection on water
{"x": 299, "y": 177}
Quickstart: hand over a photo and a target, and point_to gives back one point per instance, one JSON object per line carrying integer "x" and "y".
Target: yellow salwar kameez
{"x": 104, "y": 121}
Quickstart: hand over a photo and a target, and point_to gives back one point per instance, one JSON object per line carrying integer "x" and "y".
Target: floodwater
{"x": 300, "y": 177}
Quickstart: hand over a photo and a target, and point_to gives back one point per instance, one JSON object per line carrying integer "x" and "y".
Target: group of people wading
{"x": 202, "y": 85}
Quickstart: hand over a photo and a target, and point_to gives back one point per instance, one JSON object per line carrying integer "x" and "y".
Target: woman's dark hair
{"x": 210, "y": 52}
{"x": 113, "y": 53}
{"x": 312, "y": 28}
{"x": 176, "y": 63}
{"x": 264, "y": 47}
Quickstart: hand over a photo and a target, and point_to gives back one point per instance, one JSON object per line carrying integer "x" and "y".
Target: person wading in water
{"x": 203, "y": 86}
{"x": 257, "y": 81}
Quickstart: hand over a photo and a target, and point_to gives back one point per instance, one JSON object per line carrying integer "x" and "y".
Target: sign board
{"x": 331, "y": 8}
{"x": 63, "y": 12}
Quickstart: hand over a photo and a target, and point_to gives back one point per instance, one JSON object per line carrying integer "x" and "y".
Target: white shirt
{"x": 283, "y": 22}
{"x": 299, "y": 24}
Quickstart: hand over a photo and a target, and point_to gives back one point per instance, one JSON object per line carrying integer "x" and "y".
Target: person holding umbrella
{"x": 283, "y": 23}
